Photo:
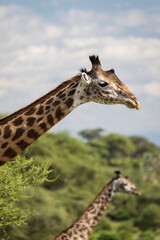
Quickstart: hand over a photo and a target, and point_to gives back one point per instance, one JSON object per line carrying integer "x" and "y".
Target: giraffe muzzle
{"x": 133, "y": 103}
{"x": 137, "y": 193}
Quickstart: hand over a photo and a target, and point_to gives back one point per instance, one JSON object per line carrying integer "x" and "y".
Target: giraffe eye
{"x": 103, "y": 84}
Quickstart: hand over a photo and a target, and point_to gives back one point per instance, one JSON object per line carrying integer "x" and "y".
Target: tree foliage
{"x": 16, "y": 177}
{"x": 142, "y": 145}
{"x": 113, "y": 146}
{"x": 90, "y": 134}
{"x": 82, "y": 170}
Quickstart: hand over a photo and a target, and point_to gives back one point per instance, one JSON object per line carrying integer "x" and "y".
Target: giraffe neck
{"x": 84, "y": 225}
{"x": 22, "y": 128}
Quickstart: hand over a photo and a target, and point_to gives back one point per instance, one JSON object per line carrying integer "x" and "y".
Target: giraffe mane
{"x": 40, "y": 100}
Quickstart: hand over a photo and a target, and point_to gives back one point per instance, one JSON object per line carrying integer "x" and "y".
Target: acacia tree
{"x": 90, "y": 134}
{"x": 113, "y": 146}
{"x": 16, "y": 177}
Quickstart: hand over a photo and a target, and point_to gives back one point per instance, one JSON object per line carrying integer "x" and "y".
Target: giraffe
{"x": 82, "y": 228}
{"x": 23, "y": 127}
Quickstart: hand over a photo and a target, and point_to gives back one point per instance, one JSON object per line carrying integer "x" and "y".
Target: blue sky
{"x": 43, "y": 43}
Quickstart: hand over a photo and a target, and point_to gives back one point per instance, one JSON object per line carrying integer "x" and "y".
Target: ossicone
{"x": 94, "y": 60}
{"x": 118, "y": 173}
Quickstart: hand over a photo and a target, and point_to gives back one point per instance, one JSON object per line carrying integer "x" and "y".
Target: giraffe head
{"x": 123, "y": 184}
{"x": 105, "y": 87}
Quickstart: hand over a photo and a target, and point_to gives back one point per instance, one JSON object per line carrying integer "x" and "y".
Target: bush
{"x": 108, "y": 236}
{"x": 150, "y": 218}
{"x": 120, "y": 215}
{"x": 146, "y": 236}
{"x": 142, "y": 146}
{"x": 16, "y": 177}
{"x": 125, "y": 235}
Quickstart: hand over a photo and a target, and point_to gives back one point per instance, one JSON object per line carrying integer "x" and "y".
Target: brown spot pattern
{"x": 1, "y": 162}
{"x": 48, "y": 111}
{"x": 71, "y": 84}
{"x": 32, "y": 134}
{"x": 59, "y": 113}
{"x": 40, "y": 110}
{"x": 30, "y": 121}
{"x": 62, "y": 96}
{"x": 77, "y": 225}
{"x": 56, "y": 103}
{"x": 102, "y": 208}
{"x": 17, "y": 121}
{"x": 47, "y": 107}
{"x": 99, "y": 214}
{"x": 7, "y": 132}
{"x": 60, "y": 93}
{"x": 49, "y": 101}
{"x": 64, "y": 237}
{"x": 43, "y": 126}
{"x": 10, "y": 153}
{"x": 70, "y": 233}
{"x": 81, "y": 97}
{"x": 69, "y": 102}
{"x": 50, "y": 119}
{"x": 4, "y": 145}
{"x": 22, "y": 144}
{"x": 75, "y": 85}
{"x": 71, "y": 92}
{"x": 39, "y": 119}
{"x": 19, "y": 132}
{"x": 30, "y": 112}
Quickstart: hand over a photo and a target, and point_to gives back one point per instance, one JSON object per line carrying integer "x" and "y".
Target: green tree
{"x": 104, "y": 235}
{"x": 113, "y": 146}
{"x": 142, "y": 146}
{"x": 150, "y": 218}
{"x": 16, "y": 177}
{"x": 146, "y": 236}
{"x": 119, "y": 146}
{"x": 151, "y": 167}
{"x": 90, "y": 134}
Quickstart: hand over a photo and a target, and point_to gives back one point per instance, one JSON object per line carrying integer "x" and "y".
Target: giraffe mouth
{"x": 133, "y": 104}
{"x": 137, "y": 193}
{"x": 128, "y": 99}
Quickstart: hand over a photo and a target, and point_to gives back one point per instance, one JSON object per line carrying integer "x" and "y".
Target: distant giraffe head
{"x": 105, "y": 87}
{"x": 122, "y": 184}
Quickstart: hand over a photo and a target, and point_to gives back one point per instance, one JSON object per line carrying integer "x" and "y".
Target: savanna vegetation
{"x": 77, "y": 170}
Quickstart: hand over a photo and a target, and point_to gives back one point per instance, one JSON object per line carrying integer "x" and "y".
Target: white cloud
{"x": 2, "y": 92}
{"x": 153, "y": 88}
{"x": 141, "y": 21}
{"x": 20, "y": 27}
{"x": 132, "y": 18}
{"x": 34, "y": 49}
{"x": 150, "y": 89}
{"x": 89, "y": 23}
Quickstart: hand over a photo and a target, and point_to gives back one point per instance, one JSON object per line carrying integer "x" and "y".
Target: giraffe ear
{"x": 86, "y": 80}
